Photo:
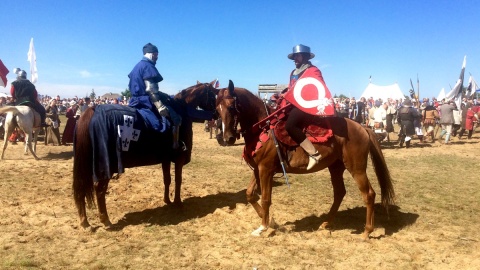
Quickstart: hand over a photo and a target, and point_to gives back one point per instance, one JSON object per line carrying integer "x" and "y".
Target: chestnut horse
{"x": 348, "y": 148}
{"x": 155, "y": 148}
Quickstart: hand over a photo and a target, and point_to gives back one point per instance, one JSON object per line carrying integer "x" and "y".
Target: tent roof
{"x": 441, "y": 95}
{"x": 383, "y": 92}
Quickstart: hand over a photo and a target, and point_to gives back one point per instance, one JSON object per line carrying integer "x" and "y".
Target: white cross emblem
{"x": 127, "y": 133}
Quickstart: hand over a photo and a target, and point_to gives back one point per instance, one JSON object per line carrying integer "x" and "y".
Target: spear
{"x": 418, "y": 92}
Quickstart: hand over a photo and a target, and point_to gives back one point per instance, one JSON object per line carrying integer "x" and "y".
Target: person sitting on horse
{"x": 25, "y": 93}
{"x": 306, "y": 82}
{"x": 143, "y": 85}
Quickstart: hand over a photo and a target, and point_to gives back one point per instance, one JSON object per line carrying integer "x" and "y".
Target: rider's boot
{"x": 313, "y": 155}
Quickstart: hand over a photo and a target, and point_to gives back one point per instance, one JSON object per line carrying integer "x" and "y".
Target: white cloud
{"x": 85, "y": 74}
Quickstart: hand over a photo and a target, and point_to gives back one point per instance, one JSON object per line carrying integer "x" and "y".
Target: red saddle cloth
{"x": 318, "y": 132}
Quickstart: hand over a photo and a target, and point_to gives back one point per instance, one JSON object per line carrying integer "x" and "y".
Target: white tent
{"x": 383, "y": 92}
{"x": 441, "y": 95}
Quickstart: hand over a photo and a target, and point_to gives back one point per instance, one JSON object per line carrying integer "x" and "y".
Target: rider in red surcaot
{"x": 311, "y": 98}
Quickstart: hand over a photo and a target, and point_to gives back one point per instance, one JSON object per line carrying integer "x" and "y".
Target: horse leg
{"x": 263, "y": 210}
{"x": 101, "y": 190}
{"x": 35, "y": 138}
{"x": 178, "y": 182}
{"x": 336, "y": 173}
{"x": 368, "y": 196}
{"x": 82, "y": 211}
{"x": 28, "y": 144}
{"x": 8, "y": 132}
{"x": 5, "y": 143}
{"x": 252, "y": 196}
{"x": 167, "y": 180}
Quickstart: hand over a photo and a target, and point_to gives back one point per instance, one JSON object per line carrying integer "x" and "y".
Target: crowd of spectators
{"x": 59, "y": 106}
{"x": 369, "y": 111}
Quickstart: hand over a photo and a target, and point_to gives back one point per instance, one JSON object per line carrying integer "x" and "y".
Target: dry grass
{"x": 433, "y": 226}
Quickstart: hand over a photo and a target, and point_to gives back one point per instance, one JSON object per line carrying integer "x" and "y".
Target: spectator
{"x": 71, "y": 122}
{"x": 52, "y": 134}
{"x": 446, "y": 120}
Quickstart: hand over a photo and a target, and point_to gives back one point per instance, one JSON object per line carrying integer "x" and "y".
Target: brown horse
{"x": 99, "y": 148}
{"x": 348, "y": 148}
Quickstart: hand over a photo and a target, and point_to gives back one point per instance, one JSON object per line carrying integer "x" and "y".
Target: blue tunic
{"x": 145, "y": 69}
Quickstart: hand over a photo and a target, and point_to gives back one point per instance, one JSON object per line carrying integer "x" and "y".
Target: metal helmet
{"x": 301, "y": 49}
{"x": 22, "y": 75}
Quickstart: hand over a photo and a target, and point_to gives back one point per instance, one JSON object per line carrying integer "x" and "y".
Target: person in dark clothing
{"x": 25, "y": 93}
{"x": 405, "y": 116}
{"x": 360, "y": 109}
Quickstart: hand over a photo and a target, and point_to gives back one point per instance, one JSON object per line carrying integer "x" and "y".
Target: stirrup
{"x": 313, "y": 160}
{"x": 183, "y": 147}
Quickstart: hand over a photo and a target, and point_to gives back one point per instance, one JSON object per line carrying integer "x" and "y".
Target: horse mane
{"x": 251, "y": 105}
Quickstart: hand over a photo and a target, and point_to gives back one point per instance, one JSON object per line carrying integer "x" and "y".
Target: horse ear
{"x": 231, "y": 88}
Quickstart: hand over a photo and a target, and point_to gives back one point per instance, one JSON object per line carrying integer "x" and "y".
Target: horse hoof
{"x": 258, "y": 232}
{"x": 178, "y": 204}
{"x": 324, "y": 226}
{"x": 85, "y": 225}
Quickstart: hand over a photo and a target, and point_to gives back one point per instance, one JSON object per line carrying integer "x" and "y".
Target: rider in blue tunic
{"x": 146, "y": 97}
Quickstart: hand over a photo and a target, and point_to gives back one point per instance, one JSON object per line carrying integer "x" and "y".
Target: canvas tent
{"x": 383, "y": 92}
{"x": 441, "y": 95}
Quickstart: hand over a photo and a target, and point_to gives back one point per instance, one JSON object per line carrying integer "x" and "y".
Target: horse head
{"x": 201, "y": 95}
{"x": 228, "y": 109}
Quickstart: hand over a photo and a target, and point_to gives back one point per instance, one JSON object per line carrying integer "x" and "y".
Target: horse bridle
{"x": 210, "y": 93}
{"x": 235, "y": 109}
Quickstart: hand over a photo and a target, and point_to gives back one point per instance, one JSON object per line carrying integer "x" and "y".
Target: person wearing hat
{"x": 25, "y": 93}
{"x": 301, "y": 80}
{"x": 405, "y": 117}
{"x": 150, "y": 102}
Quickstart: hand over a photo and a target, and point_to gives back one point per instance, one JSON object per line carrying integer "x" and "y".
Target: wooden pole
{"x": 418, "y": 92}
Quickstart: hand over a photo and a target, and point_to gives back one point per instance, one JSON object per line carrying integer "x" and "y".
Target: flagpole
{"x": 418, "y": 93}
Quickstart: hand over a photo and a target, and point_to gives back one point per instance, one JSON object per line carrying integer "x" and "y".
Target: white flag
{"x": 456, "y": 92}
{"x": 32, "y": 58}
{"x": 472, "y": 87}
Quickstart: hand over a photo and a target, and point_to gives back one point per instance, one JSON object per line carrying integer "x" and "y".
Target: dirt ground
{"x": 433, "y": 226}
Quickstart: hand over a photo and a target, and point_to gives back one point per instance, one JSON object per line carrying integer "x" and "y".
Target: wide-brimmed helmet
{"x": 301, "y": 49}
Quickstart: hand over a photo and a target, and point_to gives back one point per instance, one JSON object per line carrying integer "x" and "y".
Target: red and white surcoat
{"x": 309, "y": 93}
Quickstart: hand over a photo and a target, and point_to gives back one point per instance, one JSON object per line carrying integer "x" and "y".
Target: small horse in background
{"x": 25, "y": 118}
{"x": 146, "y": 147}
{"x": 348, "y": 148}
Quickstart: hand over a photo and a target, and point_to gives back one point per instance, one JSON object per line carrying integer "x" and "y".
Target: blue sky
{"x": 85, "y": 45}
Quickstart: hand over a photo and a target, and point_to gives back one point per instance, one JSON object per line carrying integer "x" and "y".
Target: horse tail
{"x": 83, "y": 161}
{"x": 7, "y": 109}
{"x": 381, "y": 170}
